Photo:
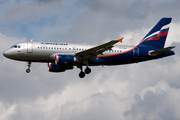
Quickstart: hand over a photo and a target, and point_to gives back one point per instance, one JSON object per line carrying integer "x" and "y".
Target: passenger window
{"x": 69, "y": 48}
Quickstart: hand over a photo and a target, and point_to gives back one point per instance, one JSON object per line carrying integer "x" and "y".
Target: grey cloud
{"x": 102, "y": 20}
{"x": 47, "y": 1}
{"x": 3, "y": 1}
{"x": 108, "y": 91}
{"x": 108, "y": 20}
{"x": 98, "y": 106}
{"x": 131, "y": 9}
{"x": 152, "y": 106}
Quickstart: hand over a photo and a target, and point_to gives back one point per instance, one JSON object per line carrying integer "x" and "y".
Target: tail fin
{"x": 157, "y": 36}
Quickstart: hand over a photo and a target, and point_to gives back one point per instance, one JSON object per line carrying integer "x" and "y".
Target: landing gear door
{"x": 30, "y": 47}
{"x": 136, "y": 53}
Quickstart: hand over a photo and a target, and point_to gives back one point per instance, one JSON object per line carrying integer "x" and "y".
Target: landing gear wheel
{"x": 29, "y": 65}
{"x": 82, "y": 74}
{"x": 28, "y": 70}
{"x": 87, "y": 70}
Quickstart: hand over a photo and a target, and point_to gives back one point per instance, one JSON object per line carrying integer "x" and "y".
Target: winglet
{"x": 120, "y": 40}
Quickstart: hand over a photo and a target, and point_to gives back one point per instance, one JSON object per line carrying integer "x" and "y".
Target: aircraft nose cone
{"x": 6, "y": 53}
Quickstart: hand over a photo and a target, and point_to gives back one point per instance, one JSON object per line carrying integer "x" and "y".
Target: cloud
{"x": 28, "y": 11}
{"x": 147, "y": 90}
{"x": 103, "y": 22}
{"x": 3, "y": 1}
{"x": 101, "y": 95}
{"x": 152, "y": 102}
{"x": 6, "y": 110}
{"x": 158, "y": 102}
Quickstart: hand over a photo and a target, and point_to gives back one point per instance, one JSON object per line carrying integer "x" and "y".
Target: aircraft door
{"x": 136, "y": 52}
{"x": 30, "y": 47}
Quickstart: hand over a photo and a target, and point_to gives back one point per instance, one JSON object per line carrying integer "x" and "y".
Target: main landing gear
{"x": 86, "y": 71}
{"x": 29, "y": 65}
{"x": 82, "y": 74}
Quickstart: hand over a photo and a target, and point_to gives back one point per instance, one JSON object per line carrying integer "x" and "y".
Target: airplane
{"x": 62, "y": 56}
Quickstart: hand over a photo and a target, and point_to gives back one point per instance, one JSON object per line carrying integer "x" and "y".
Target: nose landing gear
{"x": 29, "y": 65}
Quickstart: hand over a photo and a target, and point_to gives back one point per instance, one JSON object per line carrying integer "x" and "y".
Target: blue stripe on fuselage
{"x": 128, "y": 57}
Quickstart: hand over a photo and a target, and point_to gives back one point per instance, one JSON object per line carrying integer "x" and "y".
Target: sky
{"x": 143, "y": 91}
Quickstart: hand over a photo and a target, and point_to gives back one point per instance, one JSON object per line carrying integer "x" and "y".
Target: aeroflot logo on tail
{"x": 53, "y": 44}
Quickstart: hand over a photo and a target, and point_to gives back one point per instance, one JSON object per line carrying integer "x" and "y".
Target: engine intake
{"x": 55, "y": 68}
{"x": 64, "y": 60}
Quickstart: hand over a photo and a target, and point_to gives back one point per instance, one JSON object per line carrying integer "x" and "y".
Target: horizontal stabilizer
{"x": 157, "y": 52}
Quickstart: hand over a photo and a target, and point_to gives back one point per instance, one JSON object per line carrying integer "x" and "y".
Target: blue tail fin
{"x": 157, "y": 36}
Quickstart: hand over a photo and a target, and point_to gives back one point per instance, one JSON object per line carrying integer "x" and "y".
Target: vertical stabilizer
{"x": 157, "y": 36}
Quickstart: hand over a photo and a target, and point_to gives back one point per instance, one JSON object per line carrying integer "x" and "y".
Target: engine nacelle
{"x": 55, "y": 68}
{"x": 64, "y": 60}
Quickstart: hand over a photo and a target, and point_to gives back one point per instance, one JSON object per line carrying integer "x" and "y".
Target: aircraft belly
{"x": 114, "y": 60}
{"x": 35, "y": 56}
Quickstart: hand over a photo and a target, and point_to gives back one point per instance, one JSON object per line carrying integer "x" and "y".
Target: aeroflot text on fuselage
{"x": 53, "y": 43}
{"x": 64, "y": 56}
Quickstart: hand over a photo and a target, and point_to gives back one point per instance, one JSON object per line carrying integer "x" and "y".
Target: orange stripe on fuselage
{"x": 117, "y": 53}
{"x": 153, "y": 38}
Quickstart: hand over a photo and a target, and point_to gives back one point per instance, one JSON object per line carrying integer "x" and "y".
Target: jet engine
{"x": 55, "y": 68}
{"x": 64, "y": 60}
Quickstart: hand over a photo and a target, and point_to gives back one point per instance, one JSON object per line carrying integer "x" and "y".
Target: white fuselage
{"x": 46, "y": 51}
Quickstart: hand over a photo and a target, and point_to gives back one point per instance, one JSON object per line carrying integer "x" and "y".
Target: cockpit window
{"x": 16, "y": 46}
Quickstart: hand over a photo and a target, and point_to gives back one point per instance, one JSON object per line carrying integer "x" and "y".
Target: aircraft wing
{"x": 93, "y": 52}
